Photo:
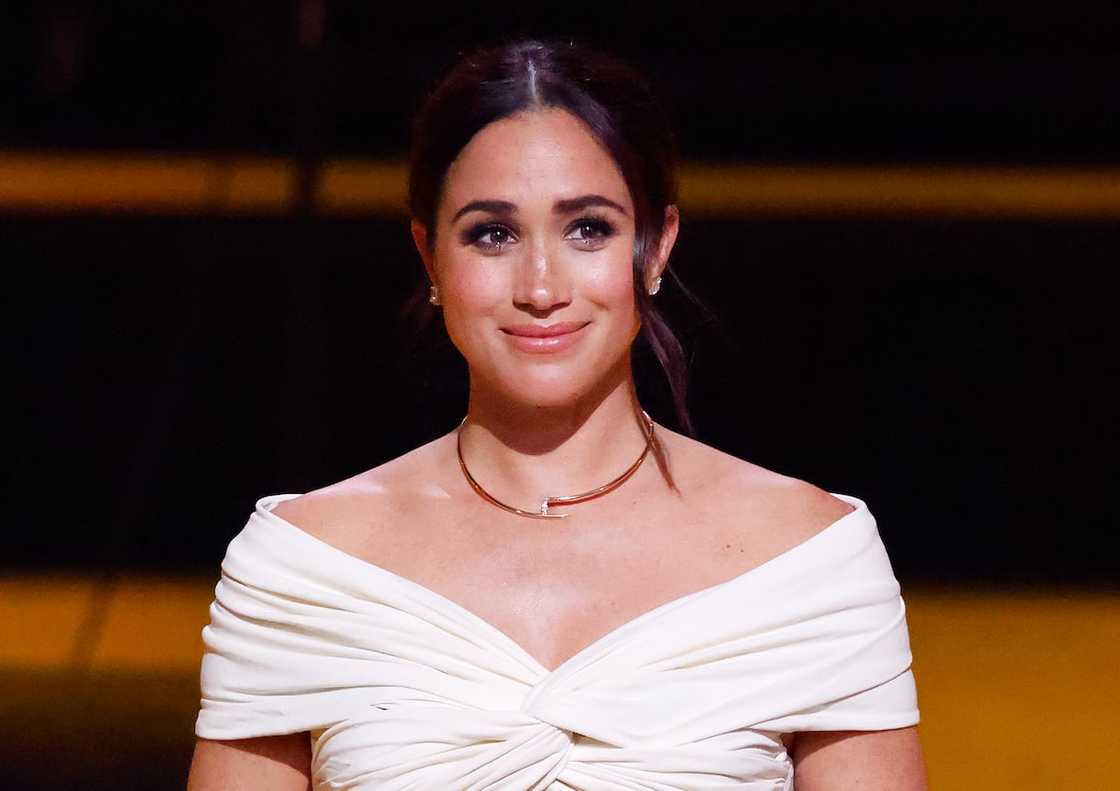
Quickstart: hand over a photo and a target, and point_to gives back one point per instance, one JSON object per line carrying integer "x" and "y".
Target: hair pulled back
{"x": 617, "y": 105}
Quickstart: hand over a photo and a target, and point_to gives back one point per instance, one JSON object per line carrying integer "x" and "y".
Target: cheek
{"x": 609, "y": 282}
{"x": 471, "y": 282}
{"x": 618, "y": 284}
{"x": 474, "y": 290}
{"x": 478, "y": 286}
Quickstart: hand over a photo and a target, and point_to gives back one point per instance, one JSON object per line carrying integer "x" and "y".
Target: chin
{"x": 559, "y": 388}
{"x": 557, "y": 395}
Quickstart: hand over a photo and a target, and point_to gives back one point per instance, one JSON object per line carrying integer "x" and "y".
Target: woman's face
{"x": 535, "y": 229}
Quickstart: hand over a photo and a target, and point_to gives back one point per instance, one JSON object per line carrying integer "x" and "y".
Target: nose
{"x": 542, "y": 282}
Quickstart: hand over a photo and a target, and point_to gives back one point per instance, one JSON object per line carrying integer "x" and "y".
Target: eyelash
{"x": 599, "y": 226}
{"x": 474, "y": 235}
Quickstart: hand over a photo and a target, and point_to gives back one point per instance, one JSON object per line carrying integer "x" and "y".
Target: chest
{"x": 555, "y": 588}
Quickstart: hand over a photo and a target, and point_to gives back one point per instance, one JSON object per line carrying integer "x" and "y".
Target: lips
{"x": 538, "y": 339}
{"x": 546, "y": 331}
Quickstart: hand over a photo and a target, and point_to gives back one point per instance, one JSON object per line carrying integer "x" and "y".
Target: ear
{"x": 665, "y": 244}
{"x": 420, "y": 239}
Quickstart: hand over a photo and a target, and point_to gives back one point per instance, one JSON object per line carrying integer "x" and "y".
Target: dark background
{"x": 959, "y": 374}
{"x": 166, "y": 368}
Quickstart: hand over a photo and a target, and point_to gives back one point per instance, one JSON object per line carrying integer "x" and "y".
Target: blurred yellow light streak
{"x": 56, "y": 183}
{"x": 1017, "y": 690}
{"x": 154, "y": 624}
{"x": 178, "y": 184}
{"x": 40, "y": 619}
{"x": 363, "y": 187}
{"x": 1029, "y": 192}
{"x": 1010, "y": 684}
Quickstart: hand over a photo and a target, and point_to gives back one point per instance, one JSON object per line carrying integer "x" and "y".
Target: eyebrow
{"x": 560, "y": 207}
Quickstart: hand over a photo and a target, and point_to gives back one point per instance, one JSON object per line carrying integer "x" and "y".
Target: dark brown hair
{"x": 620, "y": 109}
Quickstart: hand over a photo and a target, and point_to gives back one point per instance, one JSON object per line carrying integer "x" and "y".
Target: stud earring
{"x": 656, "y": 286}
{"x": 433, "y": 295}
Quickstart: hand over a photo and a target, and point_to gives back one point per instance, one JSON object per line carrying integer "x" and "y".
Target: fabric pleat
{"x": 402, "y": 688}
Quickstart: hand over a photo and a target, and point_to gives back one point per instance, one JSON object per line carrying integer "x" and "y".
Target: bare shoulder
{"x": 790, "y": 509}
{"x": 359, "y": 509}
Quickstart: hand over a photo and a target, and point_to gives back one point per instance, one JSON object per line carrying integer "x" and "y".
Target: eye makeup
{"x": 501, "y": 235}
{"x": 589, "y": 232}
{"x": 595, "y": 230}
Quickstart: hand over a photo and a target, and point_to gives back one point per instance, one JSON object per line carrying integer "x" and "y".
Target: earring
{"x": 656, "y": 286}
{"x": 433, "y": 294}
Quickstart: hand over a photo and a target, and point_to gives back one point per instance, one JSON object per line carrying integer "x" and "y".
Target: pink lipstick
{"x": 545, "y": 339}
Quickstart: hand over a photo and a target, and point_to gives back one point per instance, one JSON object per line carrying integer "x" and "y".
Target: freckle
{"x": 740, "y": 549}
{"x": 727, "y": 546}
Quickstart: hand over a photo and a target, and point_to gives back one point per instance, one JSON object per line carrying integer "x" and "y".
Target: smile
{"x": 544, "y": 340}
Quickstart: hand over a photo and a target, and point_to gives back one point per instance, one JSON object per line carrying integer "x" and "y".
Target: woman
{"x": 559, "y": 593}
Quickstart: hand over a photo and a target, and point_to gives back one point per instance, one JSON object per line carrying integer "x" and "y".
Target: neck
{"x": 522, "y": 452}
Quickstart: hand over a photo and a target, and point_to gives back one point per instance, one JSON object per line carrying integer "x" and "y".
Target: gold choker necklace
{"x": 574, "y": 498}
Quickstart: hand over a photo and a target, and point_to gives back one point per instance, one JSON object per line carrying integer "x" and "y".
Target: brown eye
{"x": 498, "y": 236}
{"x": 591, "y": 231}
{"x": 489, "y": 236}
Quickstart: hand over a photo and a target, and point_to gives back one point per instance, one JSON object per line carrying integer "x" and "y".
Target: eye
{"x": 590, "y": 232}
{"x": 489, "y": 236}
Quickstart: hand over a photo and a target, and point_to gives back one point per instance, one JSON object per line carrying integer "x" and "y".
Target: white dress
{"x": 401, "y": 688}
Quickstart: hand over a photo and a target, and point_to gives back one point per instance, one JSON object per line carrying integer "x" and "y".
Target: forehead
{"x": 534, "y": 156}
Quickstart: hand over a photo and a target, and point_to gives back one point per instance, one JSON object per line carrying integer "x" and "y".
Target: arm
{"x": 865, "y": 760}
{"x": 267, "y": 763}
